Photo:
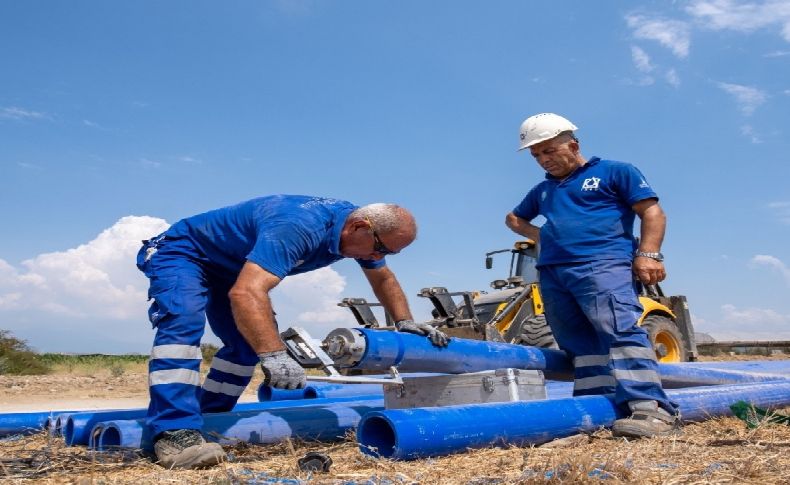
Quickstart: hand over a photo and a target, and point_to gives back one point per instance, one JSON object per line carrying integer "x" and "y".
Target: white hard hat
{"x": 542, "y": 127}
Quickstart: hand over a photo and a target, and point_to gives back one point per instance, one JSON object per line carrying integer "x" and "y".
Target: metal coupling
{"x": 345, "y": 346}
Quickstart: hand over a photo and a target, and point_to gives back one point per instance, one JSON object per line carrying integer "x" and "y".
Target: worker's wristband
{"x": 657, "y": 256}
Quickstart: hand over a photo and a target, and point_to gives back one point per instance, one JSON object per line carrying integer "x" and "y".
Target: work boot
{"x": 647, "y": 419}
{"x": 186, "y": 448}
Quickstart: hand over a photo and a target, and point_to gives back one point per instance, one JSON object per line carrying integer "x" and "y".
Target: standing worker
{"x": 588, "y": 263}
{"x": 220, "y": 266}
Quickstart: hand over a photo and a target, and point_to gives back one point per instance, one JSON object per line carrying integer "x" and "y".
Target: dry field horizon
{"x": 721, "y": 450}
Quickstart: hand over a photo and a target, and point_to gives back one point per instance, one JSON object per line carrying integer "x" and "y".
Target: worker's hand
{"x": 648, "y": 270}
{"x": 281, "y": 370}
{"x": 436, "y": 337}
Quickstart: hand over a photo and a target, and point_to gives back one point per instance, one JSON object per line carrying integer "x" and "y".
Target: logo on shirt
{"x": 543, "y": 195}
{"x": 591, "y": 183}
{"x": 298, "y": 263}
{"x": 644, "y": 184}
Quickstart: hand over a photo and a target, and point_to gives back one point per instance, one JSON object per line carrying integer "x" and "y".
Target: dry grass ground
{"x": 721, "y": 450}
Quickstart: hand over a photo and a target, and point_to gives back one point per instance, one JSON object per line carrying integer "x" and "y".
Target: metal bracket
{"x": 362, "y": 312}
{"x": 447, "y": 311}
{"x": 309, "y": 354}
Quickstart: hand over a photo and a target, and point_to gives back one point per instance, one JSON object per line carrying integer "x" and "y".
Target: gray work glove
{"x": 281, "y": 370}
{"x": 436, "y": 337}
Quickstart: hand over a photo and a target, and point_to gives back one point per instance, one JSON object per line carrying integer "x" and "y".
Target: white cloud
{"x": 312, "y": 298}
{"x": 189, "y": 159}
{"x": 641, "y": 59}
{"x": 15, "y": 113}
{"x": 747, "y": 97}
{"x": 742, "y": 17}
{"x": 29, "y": 166}
{"x": 777, "y": 54}
{"x": 672, "y": 34}
{"x": 782, "y": 210}
{"x": 148, "y": 163}
{"x": 750, "y": 324}
{"x": 96, "y": 279}
{"x": 672, "y": 78}
{"x": 748, "y": 131}
{"x": 774, "y": 263}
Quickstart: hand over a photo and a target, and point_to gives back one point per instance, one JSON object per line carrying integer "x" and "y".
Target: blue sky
{"x": 117, "y": 118}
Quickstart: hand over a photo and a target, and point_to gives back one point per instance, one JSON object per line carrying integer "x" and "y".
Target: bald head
{"x": 388, "y": 219}
{"x": 374, "y": 230}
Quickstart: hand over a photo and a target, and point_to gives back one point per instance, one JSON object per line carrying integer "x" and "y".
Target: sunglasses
{"x": 379, "y": 246}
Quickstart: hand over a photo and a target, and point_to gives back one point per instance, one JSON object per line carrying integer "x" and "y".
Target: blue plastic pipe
{"x": 406, "y": 434}
{"x": 78, "y": 427}
{"x": 318, "y": 390}
{"x": 414, "y": 353}
{"x": 688, "y": 375}
{"x": 327, "y": 422}
{"x": 27, "y": 423}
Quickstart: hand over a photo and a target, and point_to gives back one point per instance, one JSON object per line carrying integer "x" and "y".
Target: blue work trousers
{"x": 183, "y": 297}
{"x": 593, "y": 309}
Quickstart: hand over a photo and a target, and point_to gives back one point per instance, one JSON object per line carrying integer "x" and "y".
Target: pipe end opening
{"x": 109, "y": 438}
{"x": 376, "y": 437}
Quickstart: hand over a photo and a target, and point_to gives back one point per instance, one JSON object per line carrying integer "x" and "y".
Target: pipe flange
{"x": 345, "y": 346}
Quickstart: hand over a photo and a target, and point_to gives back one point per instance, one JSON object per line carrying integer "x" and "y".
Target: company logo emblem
{"x": 644, "y": 184}
{"x": 543, "y": 195}
{"x": 591, "y": 183}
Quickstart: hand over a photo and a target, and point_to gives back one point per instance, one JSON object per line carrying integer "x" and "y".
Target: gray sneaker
{"x": 186, "y": 448}
{"x": 647, "y": 419}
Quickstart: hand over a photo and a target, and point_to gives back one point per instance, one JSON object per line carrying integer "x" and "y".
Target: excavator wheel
{"x": 666, "y": 338}
{"x": 535, "y": 331}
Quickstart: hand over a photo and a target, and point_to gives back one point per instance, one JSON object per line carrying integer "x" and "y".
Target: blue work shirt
{"x": 283, "y": 234}
{"x": 588, "y": 214}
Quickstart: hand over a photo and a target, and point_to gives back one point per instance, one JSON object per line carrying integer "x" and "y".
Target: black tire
{"x": 535, "y": 331}
{"x": 668, "y": 342}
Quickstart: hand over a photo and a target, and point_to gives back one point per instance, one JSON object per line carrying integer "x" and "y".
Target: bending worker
{"x": 220, "y": 266}
{"x": 588, "y": 261}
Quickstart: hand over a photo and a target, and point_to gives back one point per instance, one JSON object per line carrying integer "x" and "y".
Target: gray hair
{"x": 386, "y": 217}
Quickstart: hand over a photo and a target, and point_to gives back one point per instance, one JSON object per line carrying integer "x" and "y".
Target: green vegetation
{"x": 16, "y": 358}
{"x": 116, "y": 365}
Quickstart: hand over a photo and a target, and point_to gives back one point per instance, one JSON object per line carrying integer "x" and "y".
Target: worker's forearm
{"x": 390, "y": 294}
{"x": 255, "y": 320}
{"x": 654, "y": 224}
{"x": 522, "y": 227}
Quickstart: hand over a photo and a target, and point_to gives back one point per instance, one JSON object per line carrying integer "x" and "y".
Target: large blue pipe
{"x": 318, "y": 390}
{"x": 78, "y": 427}
{"x": 413, "y": 353}
{"x": 327, "y": 422}
{"x": 687, "y": 375}
{"x": 414, "y": 433}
